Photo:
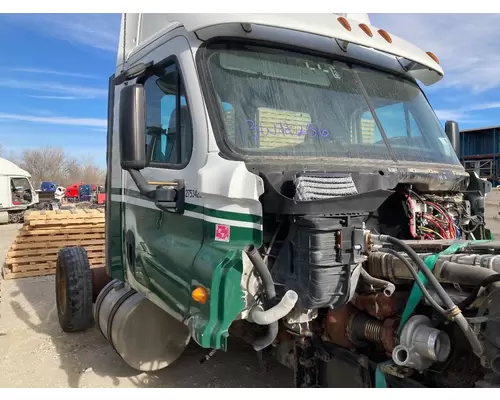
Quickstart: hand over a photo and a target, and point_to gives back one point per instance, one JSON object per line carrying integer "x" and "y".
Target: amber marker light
{"x": 433, "y": 56}
{"x": 200, "y": 295}
{"x": 345, "y": 23}
{"x": 385, "y": 35}
{"x": 366, "y": 29}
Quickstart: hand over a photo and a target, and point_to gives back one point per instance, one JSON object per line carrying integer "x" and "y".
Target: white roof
{"x": 10, "y": 169}
{"x": 142, "y": 29}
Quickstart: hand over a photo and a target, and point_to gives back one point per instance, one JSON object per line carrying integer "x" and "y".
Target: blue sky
{"x": 53, "y": 85}
{"x": 55, "y": 69}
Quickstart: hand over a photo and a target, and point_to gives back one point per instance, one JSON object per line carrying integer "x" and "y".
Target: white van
{"x": 16, "y": 190}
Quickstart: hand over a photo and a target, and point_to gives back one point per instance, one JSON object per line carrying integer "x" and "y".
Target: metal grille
{"x": 310, "y": 186}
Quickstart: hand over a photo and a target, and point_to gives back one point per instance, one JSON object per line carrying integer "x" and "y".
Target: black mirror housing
{"x": 132, "y": 125}
{"x": 453, "y": 133}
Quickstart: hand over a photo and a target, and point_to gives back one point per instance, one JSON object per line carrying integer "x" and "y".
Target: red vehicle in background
{"x": 101, "y": 195}
{"x": 73, "y": 192}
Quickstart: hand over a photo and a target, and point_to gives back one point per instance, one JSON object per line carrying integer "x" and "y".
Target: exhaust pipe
{"x": 453, "y": 133}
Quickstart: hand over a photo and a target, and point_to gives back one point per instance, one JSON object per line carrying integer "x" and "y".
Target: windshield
{"x": 20, "y": 184}
{"x": 280, "y": 103}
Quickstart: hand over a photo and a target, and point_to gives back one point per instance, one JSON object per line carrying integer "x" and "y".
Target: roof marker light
{"x": 385, "y": 35}
{"x": 433, "y": 56}
{"x": 345, "y": 23}
{"x": 366, "y": 29}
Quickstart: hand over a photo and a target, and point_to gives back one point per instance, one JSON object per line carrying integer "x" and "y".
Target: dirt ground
{"x": 492, "y": 210}
{"x": 34, "y": 352}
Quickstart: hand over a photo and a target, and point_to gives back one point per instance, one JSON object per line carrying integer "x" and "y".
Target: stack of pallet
{"x": 44, "y": 233}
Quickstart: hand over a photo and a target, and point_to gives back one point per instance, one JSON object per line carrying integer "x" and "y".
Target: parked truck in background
{"x": 17, "y": 193}
{"x": 283, "y": 179}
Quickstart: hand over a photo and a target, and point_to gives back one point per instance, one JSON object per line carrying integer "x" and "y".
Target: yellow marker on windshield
{"x": 281, "y": 128}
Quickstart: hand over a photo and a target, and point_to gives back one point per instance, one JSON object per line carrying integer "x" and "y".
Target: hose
{"x": 448, "y": 302}
{"x": 271, "y": 244}
{"x": 476, "y": 345}
{"x": 274, "y": 314}
{"x": 264, "y": 341}
{"x": 264, "y": 274}
{"x": 389, "y": 287}
{"x": 414, "y": 273}
{"x": 485, "y": 283}
{"x": 477, "y": 224}
{"x": 464, "y": 274}
{"x": 452, "y": 309}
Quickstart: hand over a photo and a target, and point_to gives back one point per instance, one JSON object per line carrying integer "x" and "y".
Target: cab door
{"x": 160, "y": 246}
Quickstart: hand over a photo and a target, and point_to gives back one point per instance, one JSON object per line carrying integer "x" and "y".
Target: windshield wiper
{"x": 375, "y": 117}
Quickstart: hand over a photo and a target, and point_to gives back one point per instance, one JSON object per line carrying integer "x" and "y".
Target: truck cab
{"x": 262, "y": 170}
{"x": 17, "y": 193}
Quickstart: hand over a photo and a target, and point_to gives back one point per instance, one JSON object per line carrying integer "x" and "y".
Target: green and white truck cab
{"x": 283, "y": 178}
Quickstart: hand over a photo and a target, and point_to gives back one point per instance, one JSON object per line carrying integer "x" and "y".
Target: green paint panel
{"x": 114, "y": 242}
{"x": 166, "y": 245}
{"x": 218, "y": 267}
{"x": 174, "y": 254}
{"x": 211, "y": 321}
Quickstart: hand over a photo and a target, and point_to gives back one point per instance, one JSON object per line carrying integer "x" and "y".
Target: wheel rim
{"x": 61, "y": 293}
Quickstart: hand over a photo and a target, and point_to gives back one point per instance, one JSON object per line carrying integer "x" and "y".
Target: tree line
{"x": 54, "y": 164}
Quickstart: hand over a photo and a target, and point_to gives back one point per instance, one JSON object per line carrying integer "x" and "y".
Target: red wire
{"x": 413, "y": 230}
{"x": 431, "y": 218}
{"x": 446, "y": 216}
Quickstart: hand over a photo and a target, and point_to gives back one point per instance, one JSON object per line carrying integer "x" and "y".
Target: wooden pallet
{"x": 63, "y": 214}
{"x": 36, "y": 247}
{"x": 9, "y": 274}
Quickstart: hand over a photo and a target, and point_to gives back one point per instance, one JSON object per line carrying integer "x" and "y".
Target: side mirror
{"x": 453, "y": 133}
{"x": 132, "y": 122}
{"x": 167, "y": 196}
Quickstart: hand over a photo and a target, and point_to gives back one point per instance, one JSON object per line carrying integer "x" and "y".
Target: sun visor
{"x": 345, "y": 30}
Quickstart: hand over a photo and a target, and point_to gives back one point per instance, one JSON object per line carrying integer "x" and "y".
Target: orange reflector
{"x": 366, "y": 29}
{"x": 385, "y": 35}
{"x": 200, "y": 295}
{"x": 433, "y": 56}
{"x": 345, "y": 23}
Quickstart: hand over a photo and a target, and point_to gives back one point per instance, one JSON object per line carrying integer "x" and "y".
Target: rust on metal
{"x": 388, "y": 335}
{"x": 99, "y": 279}
{"x": 349, "y": 327}
{"x": 378, "y": 305}
{"x": 336, "y": 323}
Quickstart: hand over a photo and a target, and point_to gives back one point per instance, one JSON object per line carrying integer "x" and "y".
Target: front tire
{"x": 73, "y": 288}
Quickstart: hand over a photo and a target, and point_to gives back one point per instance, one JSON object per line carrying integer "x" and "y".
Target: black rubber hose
{"x": 448, "y": 302}
{"x": 414, "y": 273}
{"x": 472, "y": 297}
{"x": 465, "y": 274}
{"x": 458, "y": 317}
{"x": 270, "y": 295}
{"x": 267, "y": 280}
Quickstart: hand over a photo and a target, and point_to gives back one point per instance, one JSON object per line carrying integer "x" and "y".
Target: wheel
{"x": 73, "y": 289}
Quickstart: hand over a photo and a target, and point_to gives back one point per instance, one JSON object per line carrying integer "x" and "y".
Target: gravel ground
{"x": 492, "y": 210}
{"x": 34, "y": 352}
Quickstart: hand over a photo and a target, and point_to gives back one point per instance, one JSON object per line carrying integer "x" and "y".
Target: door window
{"x": 168, "y": 120}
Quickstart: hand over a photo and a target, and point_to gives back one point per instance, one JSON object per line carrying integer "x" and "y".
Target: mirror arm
{"x": 145, "y": 189}
{"x": 165, "y": 198}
